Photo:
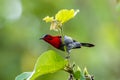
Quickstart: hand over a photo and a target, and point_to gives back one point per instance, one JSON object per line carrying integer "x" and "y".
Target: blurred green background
{"x": 21, "y": 26}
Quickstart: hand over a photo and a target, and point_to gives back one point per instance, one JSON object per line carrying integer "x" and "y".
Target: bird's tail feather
{"x": 87, "y": 44}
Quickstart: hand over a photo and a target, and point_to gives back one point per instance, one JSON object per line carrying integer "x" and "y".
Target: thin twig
{"x": 65, "y": 47}
{"x": 69, "y": 68}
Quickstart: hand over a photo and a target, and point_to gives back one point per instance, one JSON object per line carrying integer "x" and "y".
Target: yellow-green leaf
{"x": 85, "y": 72}
{"x": 48, "y": 62}
{"x": 65, "y": 15}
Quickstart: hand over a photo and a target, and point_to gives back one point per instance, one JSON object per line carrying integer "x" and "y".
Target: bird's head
{"x": 46, "y": 37}
{"x": 53, "y": 40}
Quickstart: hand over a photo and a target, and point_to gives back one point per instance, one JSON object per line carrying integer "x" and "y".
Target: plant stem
{"x": 65, "y": 47}
{"x": 67, "y": 57}
{"x": 69, "y": 68}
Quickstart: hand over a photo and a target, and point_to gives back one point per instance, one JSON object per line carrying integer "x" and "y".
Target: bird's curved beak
{"x": 41, "y": 38}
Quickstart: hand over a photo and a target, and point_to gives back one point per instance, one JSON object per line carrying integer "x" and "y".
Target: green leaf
{"x": 85, "y": 72}
{"x": 23, "y": 76}
{"x": 87, "y": 75}
{"x": 48, "y": 62}
{"x": 82, "y": 77}
{"x": 78, "y": 74}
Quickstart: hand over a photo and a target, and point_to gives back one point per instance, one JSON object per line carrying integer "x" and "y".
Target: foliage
{"x": 21, "y": 26}
{"x": 50, "y": 61}
{"x": 61, "y": 17}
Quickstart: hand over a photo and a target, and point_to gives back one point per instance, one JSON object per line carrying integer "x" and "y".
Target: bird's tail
{"x": 87, "y": 44}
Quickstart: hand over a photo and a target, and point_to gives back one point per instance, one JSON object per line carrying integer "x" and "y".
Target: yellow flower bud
{"x": 48, "y": 19}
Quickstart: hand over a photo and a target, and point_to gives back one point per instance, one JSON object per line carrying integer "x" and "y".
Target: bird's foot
{"x": 67, "y": 57}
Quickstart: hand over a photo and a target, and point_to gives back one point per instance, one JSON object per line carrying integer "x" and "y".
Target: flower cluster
{"x": 61, "y": 17}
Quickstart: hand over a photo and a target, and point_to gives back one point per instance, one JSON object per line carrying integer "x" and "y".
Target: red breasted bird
{"x": 56, "y": 41}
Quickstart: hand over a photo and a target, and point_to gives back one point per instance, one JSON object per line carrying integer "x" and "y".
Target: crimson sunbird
{"x": 56, "y": 41}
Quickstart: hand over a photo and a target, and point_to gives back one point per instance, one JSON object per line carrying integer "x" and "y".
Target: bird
{"x": 57, "y": 42}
